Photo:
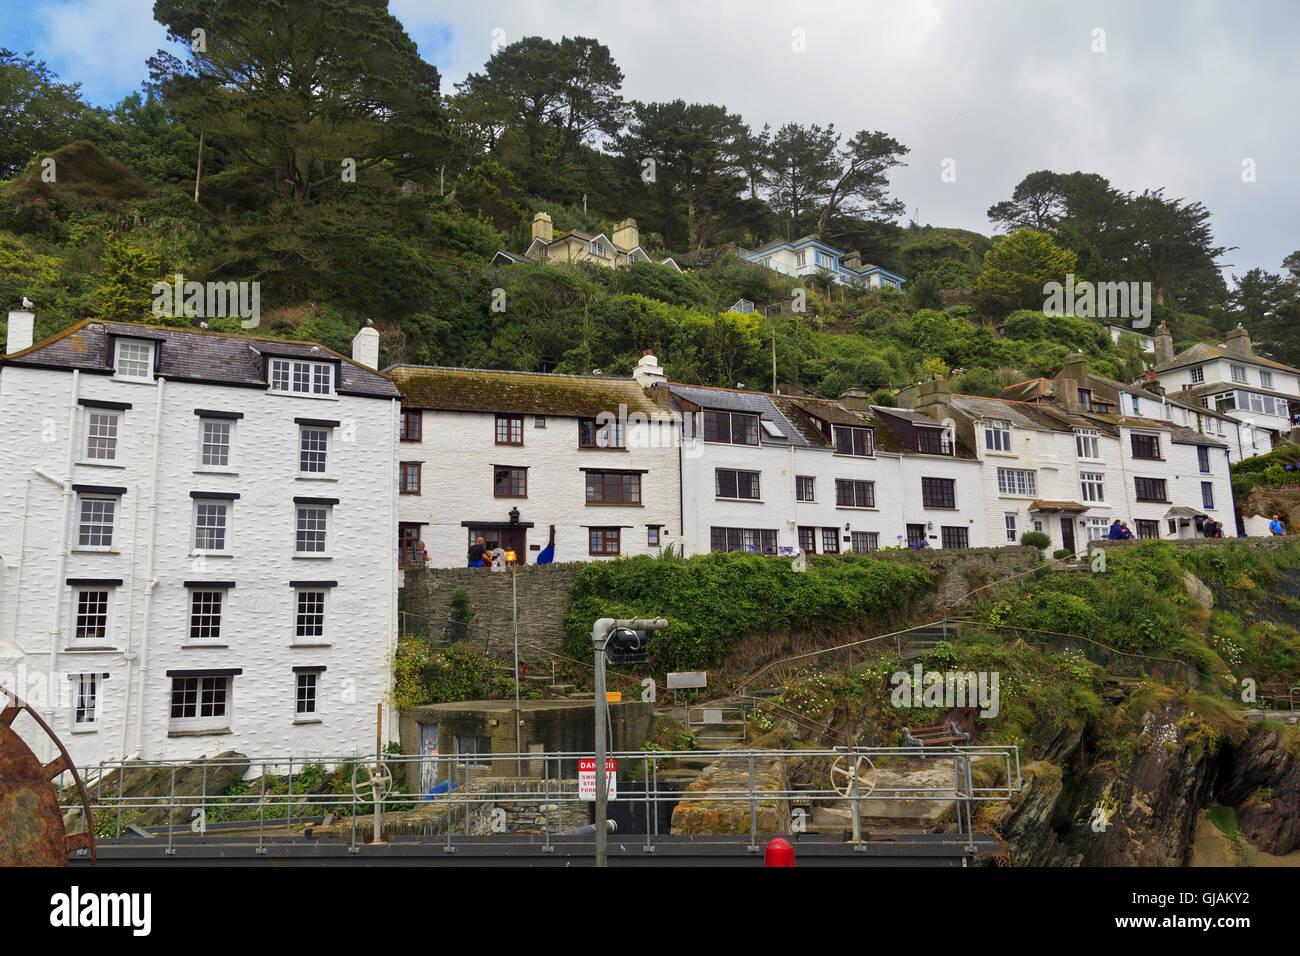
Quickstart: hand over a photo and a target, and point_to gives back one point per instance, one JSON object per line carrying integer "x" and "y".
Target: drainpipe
{"x": 57, "y": 607}
{"x": 681, "y": 494}
{"x": 22, "y": 550}
{"x": 151, "y": 581}
{"x": 395, "y": 573}
{"x": 129, "y": 656}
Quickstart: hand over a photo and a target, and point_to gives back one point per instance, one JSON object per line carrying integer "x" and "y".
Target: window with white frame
{"x": 306, "y": 696}
{"x": 1086, "y": 443}
{"x": 301, "y": 378}
{"x": 312, "y": 523}
{"x": 1011, "y": 521}
{"x": 997, "y": 434}
{"x": 101, "y": 434}
{"x": 1238, "y": 373}
{"x": 1096, "y": 528}
{"x": 799, "y": 259}
{"x": 313, "y": 449}
{"x": 206, "y": 606}
{"x": 309, "y": 615}
{"x": 1017, "y": 481}
{"x": 211, "y": 526}
{"x": 1198, "y": 375}
{"x": 1093, "y": 485}
{"x": 200, "y": 699}
{"x": 86, "y": 710}
{"x": 96, "y": 519}
{"x": 214, "y": 442}
{"x": 90, "y": 613}
{"x": 134, "y": 359}
{"x": 1265, "y": 379}
{"x": 597, "y": 248}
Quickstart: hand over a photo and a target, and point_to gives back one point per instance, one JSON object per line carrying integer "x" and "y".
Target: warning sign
{"x": 587, "y": 778}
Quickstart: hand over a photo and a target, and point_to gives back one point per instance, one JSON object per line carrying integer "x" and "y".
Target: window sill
{"x": 131, "y": 380}
{"x": 925, "y": 507}
{"x": 99, "y": 463}
{"x": 752, "y": 501}
{"x": 313, "y": 720}
{"x": 95, "y": 551}
{"x": 600, "y": 448}
{"x": 1153, "y": 501}
{"x": 847, "y": 454}
{"x": 313, "y": 557}
{"x": 856, "y": 508}
{"x": 989, "y": 452}
{"x": 210, "y": 554}
{"x": 289, "y": 394}
{"x": 314, "y": 478}
{"x": 304, "y": 644}
{"x": 617, "y": 504}
{"x": 216, "y": 471}
{"x": 190, "y": 644}
{"x": 90, "y": 648}
{"x": 1145, "y": 458}
{"x": 92, "y": 729}
{"x": 213, "y": 731}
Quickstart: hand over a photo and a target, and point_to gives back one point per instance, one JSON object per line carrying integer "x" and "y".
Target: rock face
{"x": 1081, "y": 809}
{"x": 719, "y": 806}
{"x": 155, "y": 786}
{"x": 1263, "y": 785}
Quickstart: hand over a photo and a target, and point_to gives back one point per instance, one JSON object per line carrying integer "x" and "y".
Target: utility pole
{"x": 199, "y": 172}
{"x": 774, "y": 356}
{"x": 600, "y": 632}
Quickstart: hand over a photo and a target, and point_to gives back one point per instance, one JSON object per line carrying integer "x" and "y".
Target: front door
{"x": 410, "y": 551}
{"x": 1067, "y": 534}
{"x": 428, "y": 748}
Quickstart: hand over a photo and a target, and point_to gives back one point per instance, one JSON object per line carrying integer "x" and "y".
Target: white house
{"x": 1232, "y": 379}
{"x": 582, "y": 465}
{"x": 810, "y": 256}
{"x": 187, "y": 540}
{"x": 772, "y": 473}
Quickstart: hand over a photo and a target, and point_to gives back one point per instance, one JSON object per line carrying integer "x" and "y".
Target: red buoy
{"x": 779, "y": 852}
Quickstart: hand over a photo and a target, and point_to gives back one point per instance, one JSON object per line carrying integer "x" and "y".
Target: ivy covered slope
{"x": 715, "y": 601}
{"x": 1149, "y": 754}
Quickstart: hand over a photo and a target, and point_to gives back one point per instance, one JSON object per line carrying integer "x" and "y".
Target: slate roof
{"x": 902, "y": 422}
{"x": 1201, "y": 352}
{"x": 196, "y": 355}
{"x": 753, "y": 403}
{"x": 531, "y": 393}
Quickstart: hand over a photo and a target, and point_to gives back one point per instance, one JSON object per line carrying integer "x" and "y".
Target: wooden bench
{"x": 1278, "y": 694}
{"x": 938, "y": 735}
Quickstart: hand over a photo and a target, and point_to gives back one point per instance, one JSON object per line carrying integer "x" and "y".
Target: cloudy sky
{"x": 1194, "y": 96}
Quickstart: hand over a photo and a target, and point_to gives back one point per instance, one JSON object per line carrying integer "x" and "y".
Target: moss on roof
{"x": 533, "y": 393}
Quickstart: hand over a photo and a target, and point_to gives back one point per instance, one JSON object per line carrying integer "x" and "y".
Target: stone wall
{"x": 1184, "y": 544}
{"x": 708, "y": 804}
{"x": 543, "y": 595}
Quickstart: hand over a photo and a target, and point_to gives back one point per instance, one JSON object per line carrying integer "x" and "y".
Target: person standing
{"x": 476, "y": 552}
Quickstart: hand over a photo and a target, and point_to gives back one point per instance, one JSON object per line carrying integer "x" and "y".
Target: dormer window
{"x": 597, "y": 248}
{"x": 301, "y": 378}
{"x": 997, "y": 434}
{"x": 932, "y": 441}
{"x": 852, "y": 441}
{"x": 134, "y": 359}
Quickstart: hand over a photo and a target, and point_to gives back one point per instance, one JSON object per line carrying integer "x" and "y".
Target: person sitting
{"x": 1116, "y": 532}
{"x": 1275, "y": 526}
{"x": 1125, "y": 533}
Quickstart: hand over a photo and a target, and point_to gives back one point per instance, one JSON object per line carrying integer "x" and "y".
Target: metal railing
{"x": 470, "y": 800}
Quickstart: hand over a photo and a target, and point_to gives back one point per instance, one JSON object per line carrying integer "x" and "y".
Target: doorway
{"x": 1067, "y": 534}
{"x": 429, "y": 775}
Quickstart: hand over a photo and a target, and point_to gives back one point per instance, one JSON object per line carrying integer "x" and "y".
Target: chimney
{"x": 21, "y": 323}
{"x": 852, "y": 260}
{"x": 855, "y": 399}
{"x": 1164, "y": 345}
{"x": 1072, "y": 378}
{"x": 365, "y": 347}
{"x": 647, "y": 372}
{"x": 542, "y": 227}
{"x": 933, "y": 395}
{"x": 626, "y": 234}
{"x": 1239, "y": 342}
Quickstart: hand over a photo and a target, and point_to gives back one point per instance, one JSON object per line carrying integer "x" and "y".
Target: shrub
{"x": 1035, "y": 539}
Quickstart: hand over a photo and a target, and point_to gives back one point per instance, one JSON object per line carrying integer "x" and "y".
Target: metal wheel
{"x": 378, "y": 780}
{"x": 31, "y": 823}
{"x": 847, "y": 767}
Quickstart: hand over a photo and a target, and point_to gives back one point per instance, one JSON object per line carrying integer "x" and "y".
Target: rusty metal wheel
{"x": 31, "y": 824}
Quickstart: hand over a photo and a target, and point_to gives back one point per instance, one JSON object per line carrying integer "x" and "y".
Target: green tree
{"x": 300, "y": 88}
{"x": 1017, "y": 267}
{"x": 37, "y": 112}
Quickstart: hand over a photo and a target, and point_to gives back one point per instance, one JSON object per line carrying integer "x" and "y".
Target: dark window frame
{"x": 410, "y": 415}
{"x": 751, "y": 481}
{"x": 618, "y": 479}
{"x": 512, "y": 474}
{"x": 405, "y": 470}
{"x": 514, "y": 424}
{"x": 607, "y": 535}
{"x": 590, "y": 435}
{"x": 1148, "y": 442}
{"x": 941, "y": 490}
{"x": 1151, "y": 485}
{"x": 854, "y": 486}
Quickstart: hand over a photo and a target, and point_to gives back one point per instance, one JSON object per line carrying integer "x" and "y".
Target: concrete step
{"x": 562, "y": 689}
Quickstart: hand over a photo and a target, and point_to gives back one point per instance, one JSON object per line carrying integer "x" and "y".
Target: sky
{"x": 1194, "y": 96}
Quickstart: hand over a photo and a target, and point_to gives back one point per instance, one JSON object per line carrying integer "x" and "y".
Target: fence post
{"x": 171, "y": 813}
{"x": 753, "y": 809}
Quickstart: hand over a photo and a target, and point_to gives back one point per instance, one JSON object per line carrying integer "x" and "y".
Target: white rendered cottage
{"x": 556, "y": 467}
{"x": 188, "y": 540}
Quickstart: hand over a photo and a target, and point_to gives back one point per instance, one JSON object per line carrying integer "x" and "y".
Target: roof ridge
{"x": 504, "y": 371}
